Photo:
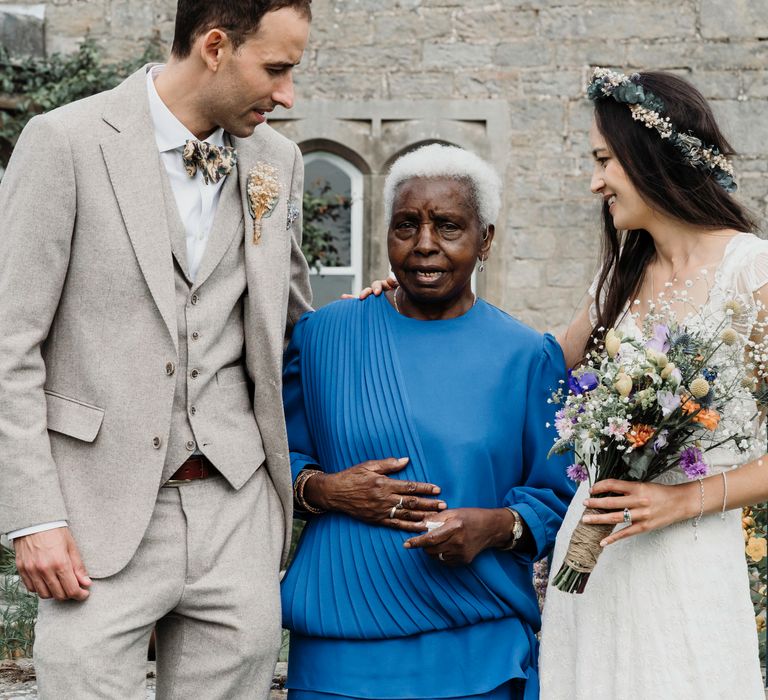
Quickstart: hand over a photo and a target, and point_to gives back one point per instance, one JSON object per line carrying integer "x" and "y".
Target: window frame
{"x": 356, "y": 211}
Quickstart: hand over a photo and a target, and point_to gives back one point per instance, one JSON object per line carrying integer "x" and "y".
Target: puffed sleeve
{"x": 300, "y": 443}
{"x": 545, "y": 491}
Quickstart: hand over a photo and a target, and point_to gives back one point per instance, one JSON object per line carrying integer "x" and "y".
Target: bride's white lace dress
{"x": 664, "y": 615}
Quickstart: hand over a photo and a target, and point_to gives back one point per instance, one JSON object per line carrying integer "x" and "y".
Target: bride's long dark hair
{"x": 665, "y": 181}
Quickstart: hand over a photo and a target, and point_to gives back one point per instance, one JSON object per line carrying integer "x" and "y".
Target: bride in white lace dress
{"x": 664, "y": 614}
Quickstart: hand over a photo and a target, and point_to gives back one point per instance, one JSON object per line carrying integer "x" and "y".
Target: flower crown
{"x": 647, "y": 108}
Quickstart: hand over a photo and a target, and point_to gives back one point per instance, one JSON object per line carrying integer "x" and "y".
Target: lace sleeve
{"x": 745, "y": 268}
{"x": 755, "y": 275}
{"x": 744, "y": 276}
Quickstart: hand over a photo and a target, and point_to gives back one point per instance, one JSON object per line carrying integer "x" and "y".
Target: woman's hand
{"x": 651, "y": 506}
{"x": 376, "y": 288}
{"x": 366, "y": 492}
{"x": 466, "y": 532}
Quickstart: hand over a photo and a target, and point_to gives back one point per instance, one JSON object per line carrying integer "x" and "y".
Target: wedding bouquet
{"x": 643, "y": 404}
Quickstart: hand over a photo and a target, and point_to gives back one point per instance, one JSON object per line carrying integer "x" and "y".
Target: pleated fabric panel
{"x": 349, "y": 579}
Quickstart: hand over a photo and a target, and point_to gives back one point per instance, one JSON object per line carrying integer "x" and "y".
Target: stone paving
{"x": 17, "y": 681}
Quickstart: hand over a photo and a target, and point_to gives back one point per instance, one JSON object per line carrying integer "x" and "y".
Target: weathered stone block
{"x": 742, "y": 18}
{"x": 533, "y": 243}
{"x": 456, "y": 55}
{"x": 68, "y": 25}
{"x": 568, "y": 272}
{"x": 744, "y": 124}
{"x": 490, "y": 83}
{"x": 545, "y": 114}
{"x": 524, "y": 274}
{"x": 22, "y": 29}
{"x": 412, "y": 27}
{"x": 366, "y": 57}
{"x": 565, "y": 83}
{"x": 520, "y": 54}
{"x": 708, "y": 55}
{"x": 484, "y": 24}
{"x": 590, "y": 51}
{"x": 418, "y": 85}
{"x": 341, "y": 31}
{"x": 717, "y": 84}
{"x": 619, "y": 21}
{"x": 357, "y": 85}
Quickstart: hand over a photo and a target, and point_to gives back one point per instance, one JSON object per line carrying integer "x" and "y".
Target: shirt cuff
{"x": 36, "y": 528}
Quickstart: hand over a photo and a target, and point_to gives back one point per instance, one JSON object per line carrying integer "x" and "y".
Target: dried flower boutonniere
{"x": 263, "y": 191}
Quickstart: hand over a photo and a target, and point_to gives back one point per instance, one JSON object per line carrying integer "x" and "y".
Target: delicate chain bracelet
{"x": 701, "y": 510}
{"x": 298, "y": 491}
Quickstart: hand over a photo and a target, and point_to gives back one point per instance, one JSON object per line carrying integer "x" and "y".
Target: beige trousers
{"x": 206, "y": 575}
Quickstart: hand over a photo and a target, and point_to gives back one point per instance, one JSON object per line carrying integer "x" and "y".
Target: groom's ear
{"x": 212, "y": 46}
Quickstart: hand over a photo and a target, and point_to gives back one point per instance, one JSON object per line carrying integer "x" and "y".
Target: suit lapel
{"x": 266, "y": 264}
{"x": 226, "y": 224}
{"x": 176, "y": 233}
{"x": 134, "y": 167}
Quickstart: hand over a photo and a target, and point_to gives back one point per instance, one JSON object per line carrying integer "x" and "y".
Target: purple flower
{"x": 692, "y": 463}
{"x": 577, "y": 472}
{"x": 584, "y": 382}
{"x": 660, "y": 340}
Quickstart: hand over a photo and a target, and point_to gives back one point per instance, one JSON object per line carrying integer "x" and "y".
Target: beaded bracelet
{"x": 298, "y": 491}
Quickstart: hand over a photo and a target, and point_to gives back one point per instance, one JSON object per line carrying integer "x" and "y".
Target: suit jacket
{"x": 88, "y": 319}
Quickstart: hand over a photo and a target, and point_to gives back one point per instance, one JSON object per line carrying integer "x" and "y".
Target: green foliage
{"x": 18, "y": 611}
{"x": 321, "y": 207}
{"x": 35, "y": 85}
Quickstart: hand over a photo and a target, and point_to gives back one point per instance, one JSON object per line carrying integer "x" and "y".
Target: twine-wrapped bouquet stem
{"x": 582, "y": 555}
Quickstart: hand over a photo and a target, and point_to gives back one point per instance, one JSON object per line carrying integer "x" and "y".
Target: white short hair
{"x": 436, "y": 160}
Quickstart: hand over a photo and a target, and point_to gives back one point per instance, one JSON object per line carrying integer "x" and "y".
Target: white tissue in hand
{"x": 433, "y": 524}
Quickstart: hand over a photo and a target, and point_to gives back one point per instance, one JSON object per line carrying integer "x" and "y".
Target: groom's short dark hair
{"x": 237, "y": 18}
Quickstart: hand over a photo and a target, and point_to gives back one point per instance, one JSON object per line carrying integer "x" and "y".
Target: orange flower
{"x": 639, "y": 434}
{"x": 708, "y": 418}
{"x": 688, "y": 404}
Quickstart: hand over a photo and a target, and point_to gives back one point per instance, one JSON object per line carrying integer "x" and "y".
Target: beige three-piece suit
{"x": 115, "y": 367}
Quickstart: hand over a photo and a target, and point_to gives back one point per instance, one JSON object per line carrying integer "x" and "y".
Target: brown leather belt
{"x": 198, "y": 467}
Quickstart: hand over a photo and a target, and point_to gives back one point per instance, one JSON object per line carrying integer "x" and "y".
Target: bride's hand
{"x": 376, "y": 288}
{"x": 651, "y": 506}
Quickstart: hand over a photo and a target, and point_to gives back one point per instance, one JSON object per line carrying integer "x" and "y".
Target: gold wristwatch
{"x": 517, "y": 531}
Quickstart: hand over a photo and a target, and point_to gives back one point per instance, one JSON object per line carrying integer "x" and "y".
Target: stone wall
{"x": 535, "y": 56}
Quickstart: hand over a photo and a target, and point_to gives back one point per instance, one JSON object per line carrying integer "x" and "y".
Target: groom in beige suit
{"x": 150, "y": 271}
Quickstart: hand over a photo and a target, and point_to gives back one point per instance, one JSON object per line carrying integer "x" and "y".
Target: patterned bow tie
{"x": 214, "y": 162}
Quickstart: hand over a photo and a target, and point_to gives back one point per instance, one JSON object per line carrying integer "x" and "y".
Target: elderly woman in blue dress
{"x": 418, "y": 429}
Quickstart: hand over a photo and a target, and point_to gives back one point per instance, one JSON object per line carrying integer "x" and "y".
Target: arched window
{"x": 333, "y": 185}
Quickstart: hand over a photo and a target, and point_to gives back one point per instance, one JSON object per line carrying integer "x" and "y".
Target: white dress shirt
{"x": 195, "y": 200}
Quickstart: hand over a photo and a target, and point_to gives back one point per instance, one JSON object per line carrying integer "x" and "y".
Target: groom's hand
{"x": 50, "y": 565}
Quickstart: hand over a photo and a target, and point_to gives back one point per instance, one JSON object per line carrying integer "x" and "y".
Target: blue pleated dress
{"x": 466, "y": 400}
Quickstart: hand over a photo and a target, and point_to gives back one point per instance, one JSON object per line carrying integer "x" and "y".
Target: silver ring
{"x": 400, "y": 502}
{"x": 392, "y": 512}
{"x": 627, "y": 516}
{"x": 441, "y": 557}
